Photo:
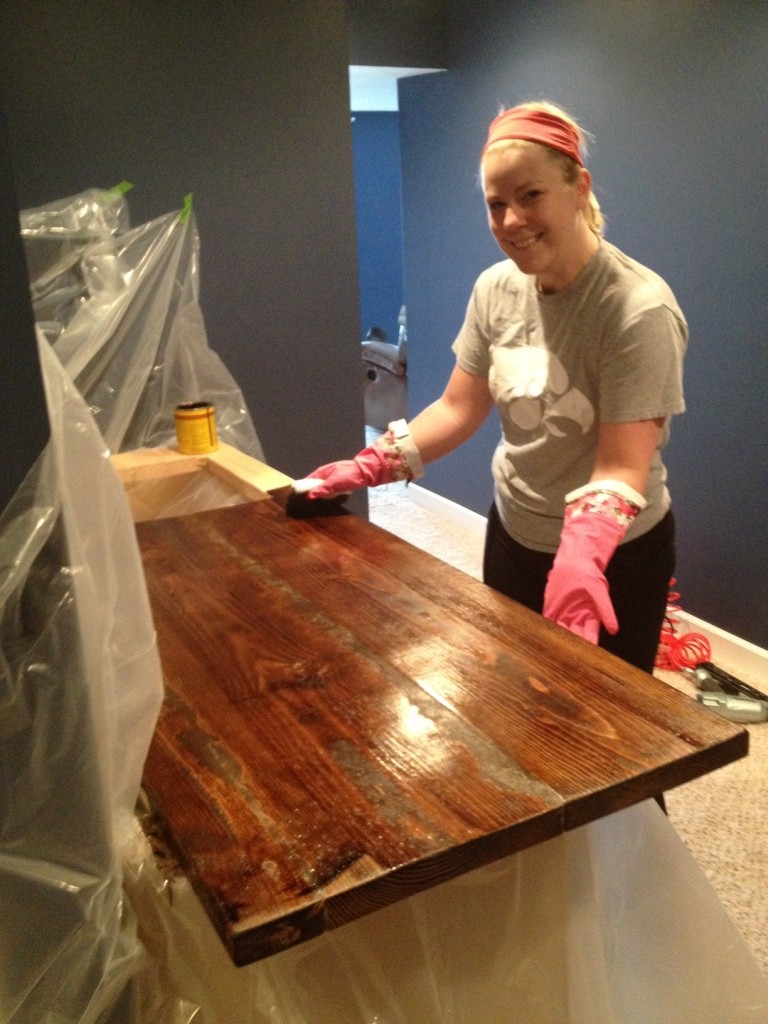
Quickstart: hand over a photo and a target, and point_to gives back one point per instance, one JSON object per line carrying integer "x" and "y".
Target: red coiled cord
{"x": 679, "y": 652}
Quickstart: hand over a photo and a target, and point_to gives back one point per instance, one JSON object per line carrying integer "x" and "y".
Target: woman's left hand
{"x": 576, "y": 594}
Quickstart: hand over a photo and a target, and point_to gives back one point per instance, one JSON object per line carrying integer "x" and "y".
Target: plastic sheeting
{"x": 55, "y": 237}
{"x": 121, "y": 308}
{"x": 122, "y": 342}
{"x": 80, "y": 690}
{"x": 613, "y": 923}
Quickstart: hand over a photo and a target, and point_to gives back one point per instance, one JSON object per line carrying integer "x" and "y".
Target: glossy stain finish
{"x": 349, "y": 721}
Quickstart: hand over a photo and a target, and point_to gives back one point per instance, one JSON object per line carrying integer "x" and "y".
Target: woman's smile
{"x": 524, "y": 243}
{"x": 535, "y": 215}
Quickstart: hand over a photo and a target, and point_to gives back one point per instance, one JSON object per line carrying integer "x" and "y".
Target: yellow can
{"x": 195, "y": 428}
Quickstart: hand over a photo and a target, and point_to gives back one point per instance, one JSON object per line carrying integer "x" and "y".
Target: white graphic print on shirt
{"x": 533, "y": 385}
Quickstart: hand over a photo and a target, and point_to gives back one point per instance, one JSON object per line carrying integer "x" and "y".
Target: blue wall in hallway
{"x": 378, "y": 209}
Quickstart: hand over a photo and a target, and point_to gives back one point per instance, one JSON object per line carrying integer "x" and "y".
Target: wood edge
{"x": 145, "y": 464}
{"x": 592, "y": 806}
{"x": 249, "y": 475}
{"x": 253, "y": 939}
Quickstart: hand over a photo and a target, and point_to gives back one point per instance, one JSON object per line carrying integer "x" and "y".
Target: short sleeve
{"x": 641, "y": 375}
{"x": 472, "y": 344}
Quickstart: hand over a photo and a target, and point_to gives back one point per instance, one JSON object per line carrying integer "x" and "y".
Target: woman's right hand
{"x": 391, "y": 457}
{"x": 367, "y": 469}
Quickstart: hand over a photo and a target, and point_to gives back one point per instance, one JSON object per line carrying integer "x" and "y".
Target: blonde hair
{"x": 593, "y": 213}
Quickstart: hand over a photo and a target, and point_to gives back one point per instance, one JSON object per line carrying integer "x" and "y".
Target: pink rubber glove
{"x": 369, "y": 468}
{"x": 391, "y": 457}
{"x": 576, "y": 595}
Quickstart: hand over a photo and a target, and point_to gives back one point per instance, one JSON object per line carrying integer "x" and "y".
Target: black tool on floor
{"x": 726, "y": 682}
{"x": 728, "y": 695}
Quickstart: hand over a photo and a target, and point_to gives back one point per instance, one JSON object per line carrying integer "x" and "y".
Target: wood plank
{"x": 161, "y": 482}
{"x": 151, "y": 463}
{"x": 246, "y": 474}
{"x": 349, "y": 721}
{"x": 252, "y": 477}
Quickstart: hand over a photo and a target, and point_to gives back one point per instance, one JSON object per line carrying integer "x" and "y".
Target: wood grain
{"x": 349, "y": 721}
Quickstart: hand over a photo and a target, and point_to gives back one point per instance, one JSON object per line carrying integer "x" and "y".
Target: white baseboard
{"x": 740, "y": 657}
{"x": 472, "y": 522}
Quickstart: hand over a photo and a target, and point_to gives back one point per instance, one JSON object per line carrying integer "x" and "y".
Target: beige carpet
{"x": 722, "y": 817}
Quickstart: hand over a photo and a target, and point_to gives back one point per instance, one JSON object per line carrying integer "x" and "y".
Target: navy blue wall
{"x": 214, "y": 99}
{"x": 376, "y": 145}
{"x": 23, "y": 416}
{"x": 675, "y": 95}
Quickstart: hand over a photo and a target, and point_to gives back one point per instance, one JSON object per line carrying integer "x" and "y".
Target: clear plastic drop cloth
{"x": 80, "y": 690}
{"x": 121, "y": 308}
{"x": 55, "y": 236}
{"x": 613, "y": 923}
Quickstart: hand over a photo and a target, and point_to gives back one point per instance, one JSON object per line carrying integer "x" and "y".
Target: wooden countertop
{"x": 349, "y": 720}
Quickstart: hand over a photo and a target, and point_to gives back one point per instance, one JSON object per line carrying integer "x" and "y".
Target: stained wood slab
{"x": 349, "y": 721}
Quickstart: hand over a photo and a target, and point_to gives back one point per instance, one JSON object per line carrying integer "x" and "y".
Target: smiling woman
{"x": 564, "y": 139}
{"x": 536, "y": 215}
{"x": 580, "y": 349}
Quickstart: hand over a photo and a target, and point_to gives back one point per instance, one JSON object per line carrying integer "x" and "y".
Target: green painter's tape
{"x": 186, "y": 209}
{"x": 120, "y": 190}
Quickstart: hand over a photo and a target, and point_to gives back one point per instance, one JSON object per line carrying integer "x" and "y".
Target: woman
{"x": 580, "y": 349}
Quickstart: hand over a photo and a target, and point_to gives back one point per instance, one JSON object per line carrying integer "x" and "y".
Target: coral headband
{"x": 535, "y": 126}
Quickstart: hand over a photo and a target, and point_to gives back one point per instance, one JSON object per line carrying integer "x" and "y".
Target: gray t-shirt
{"x": 608, "y": 348}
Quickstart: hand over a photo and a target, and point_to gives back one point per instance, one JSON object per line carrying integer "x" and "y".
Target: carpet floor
{"x": 722, "y": 817}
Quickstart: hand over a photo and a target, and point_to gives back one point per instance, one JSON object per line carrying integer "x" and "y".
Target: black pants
{"x": 638, "y": 578}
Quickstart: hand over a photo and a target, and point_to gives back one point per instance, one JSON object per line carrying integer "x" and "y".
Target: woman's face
{"x": 535, "y": 215}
